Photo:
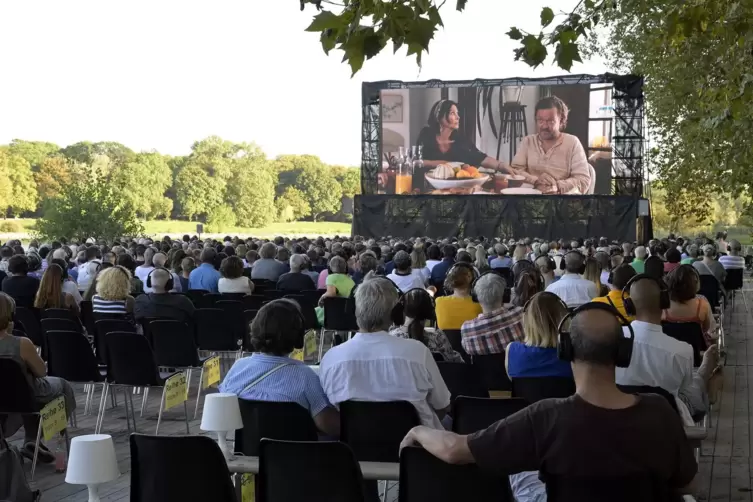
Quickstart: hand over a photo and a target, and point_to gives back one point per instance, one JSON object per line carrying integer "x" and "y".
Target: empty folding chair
{"x": 381, "y": 443}
{"x": 534, "y": 390}
{"x": 274, "y": 420}
{"x": 471, "y": 414}
{"x": 102, "y": 328}
{"x": 29, "y": 319}
{"x": 492, "y": 370}
{"x": 196, "y": 295}
{"x": 462, "y": 380}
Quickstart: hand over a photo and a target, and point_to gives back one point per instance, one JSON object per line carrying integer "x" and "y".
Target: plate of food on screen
{"x": 520, "y": 191}
{"x": 455, "y": 175}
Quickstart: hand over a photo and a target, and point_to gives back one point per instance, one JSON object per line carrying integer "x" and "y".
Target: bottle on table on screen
{"x": 404, "y": 178}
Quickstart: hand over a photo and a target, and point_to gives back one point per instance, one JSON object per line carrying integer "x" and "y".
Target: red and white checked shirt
{"x": 491, "y": 333}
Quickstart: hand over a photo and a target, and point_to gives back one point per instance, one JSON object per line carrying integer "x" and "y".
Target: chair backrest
{"x": 337, "y": 317}
{"x": 70, "y": 357}
{"x": 506, "y": 273}
{"x": 630, "y": 488}
{"x": 425, "y": 478}
{"x": 273, "y": 294}
{"x": 196, "y": 295}
{"x": 216, "y": 331}
{"x": 374, "y": 430}
{"x": 253, "y": 302}
{"x": 173, "y": 344}
{"x": 462, "y": 380}
{"x": 17, "y": 395}
{"x": 321, "y": 470}
{"x": 58, "y": 314}
{"x": 438, "y": 357}
{"x": 233, "y": 296}
{"x": 29, "y": 318}
{"x": 131, "y": 360}
{"x": 592, "y": 183}
{"x": 690, "y": 333}
{"x": 178, "y": 468}
{"x": 536, "y": 389}
{"x": 734, "y": 279}
{"x": 471, "y": 414}
{"x": 208, "y": 300}
{"x": 312, "y": 296}
{"x": 87, "y": 316}
{"x": 102, "y": 328}
{"x": 58, "y": 324}
{"x": 647, "y": 389}
{"x": 274, "y": 420}
{"x": 492, "y": 370}
{"x": 710, "y": 289}
{"x": 455, "y": 337}
{"x": 307, "y": 309}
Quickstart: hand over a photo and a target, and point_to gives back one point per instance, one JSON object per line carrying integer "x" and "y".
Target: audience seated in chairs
{"x": 527, "y": 284}
{"x": 205, "y": 276}
{"x": 19, "y": 285}
{"x": 162, "y": 304}
{"x": 639, "y": 261}
{"x": 654, "y": 267}
{"x": 276, "y": 330}
{"x": 659, "y": 360}
{"x": 501, "y": 260}
{"x": 126, "y": 261}
{"x": 418, "y": 308}
{"x": 709, "y": 265}
{"x": 375, "y": 366}
{"x": 45, "y": 388}
{"x": 113, "y": 286}
{"x": 232, "y": 279}
{"x": 572, "y": 287}
{"x": 458, "y": 306}
{"x": 620, "y": 277}
{"x": 686, "y": 305}
{"x": 439, "y": 271}
{"x": 160, "y": 261}
{"x": 187, "y": 265}
{"x": 266, "y": 267}
{"x": 50, "y": 294}
{"x": 338, "y": 282}
{"x": 733, "y": 260}
{"x": 69, "y": 284}
{"x": 497, "y": 326}
{"x": 546, "y": 267}
{"x": 366, "y": 263}
{"x": 296, "y": 280}
{"x": 598, "y": 432}
{"x": 404, "y": 276}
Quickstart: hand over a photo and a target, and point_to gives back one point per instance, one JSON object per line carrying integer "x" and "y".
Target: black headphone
{"x": 630, "y": 306}
{"x": 548, "y": 293}
{"x": 582, "y": 257}
{"x": 531, "y": 271}
{"x": 550, "y": 264}
{"x": 462, "y": 264}
{"x": 168, "y": 285}
{"x": 474, "y": 297}
{"x": 398, "y": 313}
{"x": 566, "y": 351}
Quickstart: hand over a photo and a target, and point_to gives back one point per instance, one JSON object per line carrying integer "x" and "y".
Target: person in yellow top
{"x": 453, "y": 310}
{"x": 619, "y": 278}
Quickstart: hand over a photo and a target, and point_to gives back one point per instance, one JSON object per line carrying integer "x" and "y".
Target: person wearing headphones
{"x": 546, "y": 267}
{"x": 572, "y": 288}
{"x": 618, "y": 279}
{"x": 160, "y": 303}
{"x": 600, "y": 431}
{"x": 496, "y": 327}
{"x": 659, "y": 360}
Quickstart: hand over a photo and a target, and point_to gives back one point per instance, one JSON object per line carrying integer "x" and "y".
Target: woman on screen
{"x": 442, "y": 143}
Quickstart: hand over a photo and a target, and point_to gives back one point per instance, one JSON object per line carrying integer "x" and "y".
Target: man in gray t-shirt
{"x": 709, "y": 266}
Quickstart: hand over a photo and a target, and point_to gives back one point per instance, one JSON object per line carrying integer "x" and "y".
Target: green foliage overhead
{"x": 34, "y": 152}
{"x": 23, "y": 188}
{"x": 89, "y": 208}
{"x": 5, "y": 186}
{"x": 143, "y": 181}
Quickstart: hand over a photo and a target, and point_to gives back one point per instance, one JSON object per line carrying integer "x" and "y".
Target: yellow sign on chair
{"x": 297, "y": 354}
{"x": 176, "y": 389}
{"x": 54, "y": 418}
{"x": 248, "y": 488}
{"x": 211, "y": 372}
{"x": 310, "y": 347}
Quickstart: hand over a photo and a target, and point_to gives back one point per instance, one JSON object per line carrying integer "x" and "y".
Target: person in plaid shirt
{"x": 496, "y": 327}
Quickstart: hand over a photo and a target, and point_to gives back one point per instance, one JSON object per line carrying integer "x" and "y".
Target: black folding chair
{"x": 253, "y": 302}
{"x": 455, "y": 338}
{"x": 710, "y": 290}
{"x": 196, "y": 295}
{"x": 690, "y": 333}
{"x": 533, "y": 390}
{"x": 178, "y": 468}
{"x": 29, "y": 319}
{"x": 381, "y": 443}
{"x": 462, "y": 380}
{"x": 217, "y": 332}
{"x": 314, "y": 464}
{"x": 274, "y": 420}
{"x": 273, "y": 294}
{"x": 87, "y": 317}
{"x": 70, "y": 357}
{"x": 248, "y": 318}
{"x": 506, "y": 274}
{"x": 56, "y": 324}
{"x": 131, "y": 364}
{"x": 233, "y": 296}
{"x": 337, "y": 317}
{"x": 425, "y": 478}
{"x": 629, "y": 488}
{"x": 53, "y": 313}
{"x": 734, "y": 283}
{"x": 307, "y": 309}
{"x": 471, "y": 414}
{"x": 209, "y": 300}
{"x": 312, "y": 296}
{"x": 102, "y": 328}
{"x": 492, "y": 370}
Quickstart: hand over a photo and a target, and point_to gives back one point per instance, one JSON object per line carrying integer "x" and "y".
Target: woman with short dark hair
{"x": 233, "y": 280}
{"x": 685, "y": 304}
{"x": 270, "y": 375}
{"x": 19, "y": 285}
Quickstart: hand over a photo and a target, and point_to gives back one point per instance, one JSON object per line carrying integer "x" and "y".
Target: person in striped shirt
{"x": 113, "y": 288}
{"x": 496, "y": 327}
{"x": 733, "y": 261}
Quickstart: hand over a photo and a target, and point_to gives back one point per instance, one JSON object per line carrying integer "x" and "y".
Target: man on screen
{"x": 552, "y": 160}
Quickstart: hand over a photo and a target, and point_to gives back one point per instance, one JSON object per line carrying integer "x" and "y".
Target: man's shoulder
{"x": 571, "y": 140}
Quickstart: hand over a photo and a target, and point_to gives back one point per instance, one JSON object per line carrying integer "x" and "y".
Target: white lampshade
{"x": 221, "y": 413}
{"x": 92, "y": 460}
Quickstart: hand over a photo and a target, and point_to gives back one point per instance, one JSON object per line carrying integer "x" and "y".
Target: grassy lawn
{"x": 158, "y": 228}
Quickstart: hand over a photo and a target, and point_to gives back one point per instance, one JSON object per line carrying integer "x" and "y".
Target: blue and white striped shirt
{"x": 294, "y": 383}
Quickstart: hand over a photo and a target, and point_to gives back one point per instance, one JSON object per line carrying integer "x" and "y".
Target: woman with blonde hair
{"x": 113, "y": 288}
{"x": 536, "y": 356}
{"x": 482, "y": 263}
{"x": 519, "y": 253}
{"x": 50, "y": 294}
{"x": 418, "y": 260}
{"x": 592, "y": 273}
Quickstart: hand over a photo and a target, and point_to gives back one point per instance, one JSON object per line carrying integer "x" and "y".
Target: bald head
{"x": 159, "y": 259}
{"x": 595, "y": 335}
{"x": 646, "y": 295}
{"x": 159, "y": 279}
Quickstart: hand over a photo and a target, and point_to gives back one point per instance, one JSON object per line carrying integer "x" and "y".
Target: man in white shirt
{"x": 403, "y": 275}
{"x": 376, "y": 366}
{"x": 659, "y": 360}
{"x": 733, "y": 261}
{"x": 89, "y": 269}
{"x": 573, "y": 289}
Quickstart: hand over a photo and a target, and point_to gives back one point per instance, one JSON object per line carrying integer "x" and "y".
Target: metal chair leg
{"x": 198, "y": 393}
{"x": 143, "y": 401}
{"x": 102, "y": 408}
{"x": 133, "y": 411}
{"x": 161, "y": 406}
{"x": 36, "y": 448}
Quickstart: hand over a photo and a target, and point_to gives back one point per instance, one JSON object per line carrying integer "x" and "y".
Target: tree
{"x": 198, "y": 193}
{"x": 292, "y": 205}
{"x": 84, "y": 152}
{"x": 251, "y": 192}
{"x": 349, "y": 179}
{"x": 144, "y": 181}
{"x": 321, "y": 190}
{"x": 89, "y": 208}
{"x": 34, "y": 152}
{"x": 53, "y": 176}
{"x": 362, "y": 29}
{"x": 24, "y": 191}
{"x": 221, "y": 219}
{"x": 6, "y": 190}
{"x": 698, "y": 61}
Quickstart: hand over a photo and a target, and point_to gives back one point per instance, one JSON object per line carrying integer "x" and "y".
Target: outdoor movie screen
{"x": 514, "y": 139}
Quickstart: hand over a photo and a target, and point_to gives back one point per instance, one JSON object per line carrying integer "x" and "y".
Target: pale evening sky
{"x": 160, "y": 74}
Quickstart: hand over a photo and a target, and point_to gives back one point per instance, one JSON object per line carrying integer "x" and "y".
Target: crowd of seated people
{"x": 504, "y": 296}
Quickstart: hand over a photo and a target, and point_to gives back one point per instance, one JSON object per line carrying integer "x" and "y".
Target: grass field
{"x": 158, "y": 228}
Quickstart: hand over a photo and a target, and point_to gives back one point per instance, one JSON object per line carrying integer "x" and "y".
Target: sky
{"x": 161, "y": 74}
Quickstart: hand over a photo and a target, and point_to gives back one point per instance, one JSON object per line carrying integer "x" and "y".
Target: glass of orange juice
{"x": 403, "y": 183}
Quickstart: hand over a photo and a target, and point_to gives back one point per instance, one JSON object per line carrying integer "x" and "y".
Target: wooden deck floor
{"x": 725, "y": 471}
